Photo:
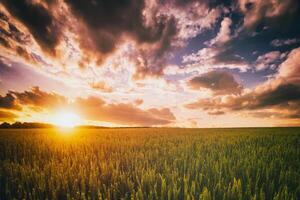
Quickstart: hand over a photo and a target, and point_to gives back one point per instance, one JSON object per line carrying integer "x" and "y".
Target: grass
{"x": 150, "y": 163}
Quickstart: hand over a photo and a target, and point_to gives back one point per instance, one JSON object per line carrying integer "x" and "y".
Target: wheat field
{"x": 150, "y": 163}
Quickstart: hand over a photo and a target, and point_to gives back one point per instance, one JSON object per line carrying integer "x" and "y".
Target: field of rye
{"x": 150, "y": 163}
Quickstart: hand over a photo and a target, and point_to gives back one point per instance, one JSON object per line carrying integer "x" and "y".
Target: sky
{"x": 175, "y": 63}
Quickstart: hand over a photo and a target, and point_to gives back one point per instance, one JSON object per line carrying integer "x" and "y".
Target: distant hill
{"x": 25, "y": 125}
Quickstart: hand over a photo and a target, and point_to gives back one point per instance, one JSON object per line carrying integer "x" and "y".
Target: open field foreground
{"x": 150, "y": 163}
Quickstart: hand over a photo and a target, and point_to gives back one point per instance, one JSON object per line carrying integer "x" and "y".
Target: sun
{"x": 66, "y": 119}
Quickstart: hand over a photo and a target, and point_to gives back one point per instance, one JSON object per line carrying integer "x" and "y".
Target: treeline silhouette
{"x": 26, "y": 125}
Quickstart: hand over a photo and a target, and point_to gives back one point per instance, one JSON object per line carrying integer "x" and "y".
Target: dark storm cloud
{"x": 9, "y": 102}
{"x": 13, "y": 39}
{"x": 154, "y": 60}
{"x": 108, "y": 21}
{"x": 267, "y": 12}
{"x": 220, "y": 82}
{"x": 279, "y": 96}
{"x": 38, "y": 20}
{"x": 23, "y": 53}
{"x": 227, "y": 55}
{"x": 3, "y": 16}
{"x": 16, "y": 34}
{"x": 270, "y": 22}
{"x": 4, "y": 42}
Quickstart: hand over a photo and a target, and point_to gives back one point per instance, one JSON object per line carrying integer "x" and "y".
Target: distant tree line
{"x": 25, "y": 125}
{"x": 28, "y": 125}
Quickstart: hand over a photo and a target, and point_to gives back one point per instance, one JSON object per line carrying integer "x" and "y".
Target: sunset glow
{"x": 151, "y": 63}
{"x": 66, "y": 120}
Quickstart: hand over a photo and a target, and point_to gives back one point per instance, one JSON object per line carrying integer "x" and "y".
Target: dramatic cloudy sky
{"x": 187, "y": 63}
